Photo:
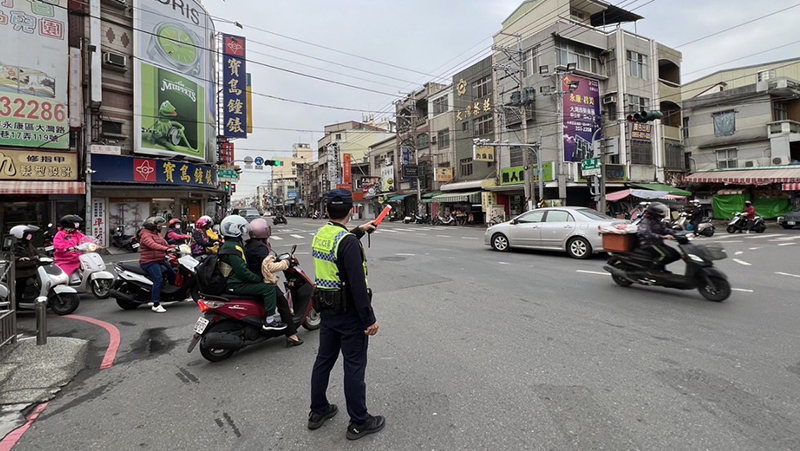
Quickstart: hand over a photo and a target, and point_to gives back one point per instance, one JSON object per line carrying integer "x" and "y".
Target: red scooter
{"x": 231, "y": 322}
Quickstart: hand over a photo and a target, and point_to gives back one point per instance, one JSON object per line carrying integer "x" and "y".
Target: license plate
{"x": 790, "y": 222}
{"x": 135, "y": 245}
{"x": 200, "y": 325}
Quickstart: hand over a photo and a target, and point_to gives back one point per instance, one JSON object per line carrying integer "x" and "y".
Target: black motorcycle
{"x": 279, "y": 219}
{"x": 120, "y": 240}
{"x": 637, "y": 267}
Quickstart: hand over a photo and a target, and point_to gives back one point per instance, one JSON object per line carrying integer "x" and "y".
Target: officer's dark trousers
{"x": 345, "y": 332}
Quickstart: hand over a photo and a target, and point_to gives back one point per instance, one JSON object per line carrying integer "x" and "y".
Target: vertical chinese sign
{"x": 234, "y": 87}
{"x": 347, "y": 169}
{"x": 98, "y": 226}
{"x": 173, "y": 75}
{"x": 33, "y": 83}
{"x": 581, "y": 116}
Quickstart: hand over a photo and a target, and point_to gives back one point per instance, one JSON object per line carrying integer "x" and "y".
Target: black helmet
{"x": 153, "y": 222}
{"x": 70, "y": 222}
{"x": 657, "y": 210}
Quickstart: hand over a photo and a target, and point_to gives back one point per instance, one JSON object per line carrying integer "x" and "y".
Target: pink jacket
{"x": 153, "y": 247}
{"x": 68, "y": 261}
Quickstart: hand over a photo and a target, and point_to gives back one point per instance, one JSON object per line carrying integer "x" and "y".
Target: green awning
{"x": 431, "y": 194}
{"x": 398, "y": 198}
{"x": 660, "y": 187}
{"x": 473, "y": 197}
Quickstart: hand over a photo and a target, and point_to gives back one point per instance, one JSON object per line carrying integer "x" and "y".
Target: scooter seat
{"x": 133, "y": 267}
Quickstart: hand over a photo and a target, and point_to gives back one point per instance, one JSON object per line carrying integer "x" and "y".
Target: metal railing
{"x": 785, "y": 126}
{"x": 8, "y": 316}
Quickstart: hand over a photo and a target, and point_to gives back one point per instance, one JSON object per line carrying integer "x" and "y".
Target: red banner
{"x": 347, "y": 170}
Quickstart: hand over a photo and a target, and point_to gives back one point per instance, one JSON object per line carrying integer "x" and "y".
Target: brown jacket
{"x": 153, "y": 247}
{"x": 268, "y": 267}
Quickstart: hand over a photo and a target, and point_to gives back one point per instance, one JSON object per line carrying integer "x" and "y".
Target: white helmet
{"x": 23, "y": 230}
{"x": 234, "y": 226}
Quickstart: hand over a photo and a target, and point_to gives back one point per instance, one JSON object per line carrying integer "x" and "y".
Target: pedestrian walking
{"x": 345, "y": 305}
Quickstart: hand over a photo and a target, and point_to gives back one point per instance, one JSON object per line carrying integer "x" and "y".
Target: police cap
{"x": 340, "y": 197}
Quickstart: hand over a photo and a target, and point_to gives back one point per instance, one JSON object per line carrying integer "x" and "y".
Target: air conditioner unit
{"x": 609, "y": 99}
{"x": 751, "y": 163}
{"x": 113, "y": 59}
{"x": 782, "y": 83}
{"x": 433, "y": 140}
{"x": 516, "y": 98}
{"x": 779, "y": 161}
{"x": 529, "y": 94}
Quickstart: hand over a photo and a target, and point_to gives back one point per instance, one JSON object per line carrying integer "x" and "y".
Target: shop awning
{"x": 398, "y": 198}
{"x": 791, "y": 187}
{"x": 660, "y": 187}
{"x": 431, "y": 194}
{"x": 757, "y": 177}
{"x": 42, "y": 187}
{"x": 472, "y": 197}
{"x": 640, "y": 193}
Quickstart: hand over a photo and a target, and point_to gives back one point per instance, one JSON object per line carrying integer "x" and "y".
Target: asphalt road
{"x": 477, "y": 350}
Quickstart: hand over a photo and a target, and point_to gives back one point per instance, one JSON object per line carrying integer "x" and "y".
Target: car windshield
{"x": 594, "y": 214}
{"x": 249, "y": 213}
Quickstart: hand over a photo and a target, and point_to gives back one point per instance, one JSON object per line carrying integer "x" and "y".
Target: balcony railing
{"x": 781, "y": 127}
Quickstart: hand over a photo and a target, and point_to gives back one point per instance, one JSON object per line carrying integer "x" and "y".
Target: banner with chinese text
{"x": 38, "y": 165}
{"x": 121, "y": 169}
{"x": 98, "y": 225}
{"x": 34, "y": 70}
{"x": 347, "y": 169}
{"x": 484, "y": 153}
{"x": 234, "y": 87}
{"x": 173, "y": 107}
{"x": 581, "y": 116}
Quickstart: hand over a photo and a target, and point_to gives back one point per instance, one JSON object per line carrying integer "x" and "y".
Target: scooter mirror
{"x": 294, "y": 248}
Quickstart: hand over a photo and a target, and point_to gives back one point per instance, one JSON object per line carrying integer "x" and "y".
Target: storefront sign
{"x": 75, "y": 87}
{"x": 234, "y": 87}
{"x": 173, "y": 107}
{"x": 613, "y": 173}
{"x": 548, "y": 172}
{"x": 98, "y": 225}
{"x": 444, "y": 175}
{"x": 581, "y": 116}
{"x": 483, "y": 153}
{"x": 410, "y": 171}
{"x": 641, "y": 131}
{"x": 34, "y": 69}
{"x": 487, "y": 200}
{"x": 119, "y": 169}
{"x": 387, "y": 179}
{"x": 475, "y": 109}
{"x": 369, "y": 185}
{"x": 106, "y": 150}
{"x": 347, "y": 169}
{"x": 512, "y": 176}
{"x": 41, "y": 165}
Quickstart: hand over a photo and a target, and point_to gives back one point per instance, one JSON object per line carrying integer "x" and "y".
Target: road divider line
{"x": 113, "y": 339}
{"x": 294, "y": 235}
{"x": 443, "y": 236}
{"x": 754, "y": 248}
{"x": 732, "y": 241}
{"x": 787, "y": 244}
{"x": 598, "y": 273}
{"x": 743, "y": 290}
{"x": 771, "y": 235}
{"x": 738, "y": 253}
{"x": 504, "y": 263}
{"x": 742, "y": 262}
{"x": 406, "y": 255}
{"x": 787, "y": 274}
{"x": 276, "y": 237}
{"x": 469, "y": 238}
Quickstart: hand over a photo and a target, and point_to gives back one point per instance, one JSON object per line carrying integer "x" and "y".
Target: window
{"x": 439, "y": 105}
{"x": 673, "y": 154}
{"x": 423, "y": 140}
{"x": 559, "y": 216}
{"x": 531, "y": 217}
{"x": 586, "y": 59}
{"x": 466, "y": 167}
{"x": 482, "y": 87}
{"x": 465, "y": 126}
{"x": 685, "y": 128}
{"x": 112, "y": 128}
{"x": 638, "y": 63}
{"x": 724, "y": 123}
{"x": 726, "y": 158}
{"x": 443, "y": 138}
{"x": 779, "y": 111}
{"x": 338, "y": 136}
{"x": 517, "y": 158}
{"x": 484, "y": 125}
{"x": 641, "y": 152}
{"x": 636, "y": 103}
{"x": 529, "y": 57}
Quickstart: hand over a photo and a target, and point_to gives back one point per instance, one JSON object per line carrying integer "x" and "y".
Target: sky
{"x": 391, "y": 48}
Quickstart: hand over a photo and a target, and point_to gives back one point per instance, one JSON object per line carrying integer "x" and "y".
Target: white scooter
{"x": 50, "y": 283}
{"x": 92, "y": 275}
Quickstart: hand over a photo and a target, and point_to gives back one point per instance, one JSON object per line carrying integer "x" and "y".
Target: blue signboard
{"x": 122, "y": 169}
{"x": 259, "y": 161}
{"x": 234, "y": 87}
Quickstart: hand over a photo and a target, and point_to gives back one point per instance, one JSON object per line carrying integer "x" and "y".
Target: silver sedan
{"x": 570, "y": 229}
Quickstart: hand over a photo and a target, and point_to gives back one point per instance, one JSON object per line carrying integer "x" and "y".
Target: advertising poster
{"x": 234, "y": 87}
{"x": 173, "y": 70}
{"x": 98, "y": 225}
{"x": 581, "y": 116}
{"x": 34, "y": 84}
{"x": 387, "y": 179}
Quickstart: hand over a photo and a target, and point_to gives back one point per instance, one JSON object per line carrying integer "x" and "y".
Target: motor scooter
{"x": 279, "y": 219}
{"x": 448, "y": 220}
{"x": 705, "y": 227}
{"x": 231, "y": 322}
{"x": 739, "y": 224}
{"x": 50, "y": 283}
{"x": 133, "y": 286}
{"x": 122, "y": 241}
{"x": 636, "y": 266}
{"x": 92, "y": 275}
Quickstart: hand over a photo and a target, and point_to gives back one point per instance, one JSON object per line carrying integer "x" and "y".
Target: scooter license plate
{"x": 790, "y": 222}
{"x": 200, "y": 325}
{"x": 135, "y": 245}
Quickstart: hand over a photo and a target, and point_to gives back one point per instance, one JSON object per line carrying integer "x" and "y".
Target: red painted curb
{"x": 114, "y": 337}
{"x": 13, "y": 437}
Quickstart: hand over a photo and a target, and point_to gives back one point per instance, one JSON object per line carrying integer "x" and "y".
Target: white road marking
{"x": 787, "y": 274}
{"x": 754, "y": 248}
{"x": 297, "y": 236}
{"x": 743, "y": 290}
{"x": 406, "y": 255}
{"x": 593, "y": 272}
{"x": 443, "y": 236}
{"x": 469, "y": 238}
{"x": 390, "y": 230}
{"x": 787, "y": 244}
{"x": 274, "y": 237}
{"x": 739, "y": 253}
{"x": 771, "y": 235}
{"x": 726, "y": 242}
{"x": 504, "y": 263}
{"x": 742, "y": 262}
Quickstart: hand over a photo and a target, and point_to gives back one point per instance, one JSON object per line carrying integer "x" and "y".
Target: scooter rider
{"x": 25, "y": 257}
{"x": 66, "y": 242}
{"x": 239, "y": 278}
{"x": 154, "y": 249}
{"x": 174, "y": 235}
{"x": 749, "y": 215}
{"x": 202, "y": 243}
{"x": 652, "y": 232}
{"x": 259, "y": 256}
{"x": 345, "y": 305}
{"x": 697, "y": 215}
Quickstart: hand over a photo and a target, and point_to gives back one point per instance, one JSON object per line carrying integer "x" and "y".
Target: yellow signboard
{"x": 488, "y": 200}
{"x": 444, "y": 174}
{"x": 484, "y": 153}
{"x": 38, "y": 165}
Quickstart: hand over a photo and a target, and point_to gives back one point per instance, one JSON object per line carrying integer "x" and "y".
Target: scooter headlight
{"x": 695, "y": 258}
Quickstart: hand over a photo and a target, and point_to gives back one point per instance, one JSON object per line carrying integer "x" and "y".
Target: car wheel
{"x": 579, "y": 248}
{"x": 500, "y": 242}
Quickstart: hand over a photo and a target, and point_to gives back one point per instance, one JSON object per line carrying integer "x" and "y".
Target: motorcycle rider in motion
{"x": 697, "y": 215}
{"x": 25, "y": 257}
{"x": 749, "y": 215}
{"x": 66, "y": 243}
{"x": 154, "y": 249}
{"x": 652, "y": 233}
{"x": 174, "y": 235}
{"x": 202, "y": 242}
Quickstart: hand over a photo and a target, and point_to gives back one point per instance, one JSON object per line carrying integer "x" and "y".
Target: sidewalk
{"x": 31, "y": 374}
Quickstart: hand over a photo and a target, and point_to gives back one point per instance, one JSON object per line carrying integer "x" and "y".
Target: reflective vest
{"x": 325, "y": 248}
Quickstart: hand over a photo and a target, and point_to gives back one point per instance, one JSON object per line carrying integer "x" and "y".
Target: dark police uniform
{"x": 346, "y": 309}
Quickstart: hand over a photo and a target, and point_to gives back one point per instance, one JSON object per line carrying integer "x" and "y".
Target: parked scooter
{"x": 233, "y": 321}
{"x": 448, "y": 220}
{"x": 133, "y": 286}
{"x": 50, "y": 283}
{"x": 739, "y": 224}
{"x": 705, "y": 227}
{"x": 417, "y": 219}
{"x": 636, "y": 267}
{"x": 122, "y": 241}
{"x": 92, "y": 275}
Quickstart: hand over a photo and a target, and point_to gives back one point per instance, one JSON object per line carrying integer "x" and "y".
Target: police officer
{"x": 345, "y": 305}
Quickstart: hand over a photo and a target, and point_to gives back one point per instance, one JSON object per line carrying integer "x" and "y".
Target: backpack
{"x": 209, "y": 274}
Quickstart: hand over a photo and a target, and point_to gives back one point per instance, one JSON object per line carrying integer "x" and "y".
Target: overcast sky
{"x": 420, "y": 40}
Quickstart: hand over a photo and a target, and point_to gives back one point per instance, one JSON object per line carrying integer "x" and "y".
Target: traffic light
{"x": 645, "y": 116}
{"x": 227, "y": 186}
{"x": 273, "y": 163}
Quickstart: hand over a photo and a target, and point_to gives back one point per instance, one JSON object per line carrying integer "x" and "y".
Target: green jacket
{"x": 238, "y": 263}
